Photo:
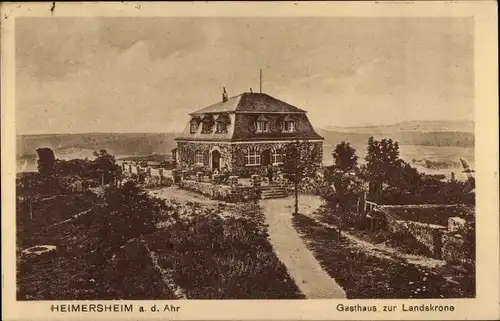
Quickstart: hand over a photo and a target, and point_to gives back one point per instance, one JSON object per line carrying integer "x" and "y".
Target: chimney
{"x": 224, "y": 95}
{"x": 251, "y": 90}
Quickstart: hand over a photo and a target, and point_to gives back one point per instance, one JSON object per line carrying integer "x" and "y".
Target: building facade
{"x": 244, "y": 132}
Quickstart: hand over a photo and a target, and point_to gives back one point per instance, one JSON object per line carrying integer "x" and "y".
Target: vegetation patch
{"x": 130, "y": 245}
{"x": 213, "y": 256}
{"x": 73, "y": 272}
{"x": 352, "y": 223}
{"x": 364, "y": 276}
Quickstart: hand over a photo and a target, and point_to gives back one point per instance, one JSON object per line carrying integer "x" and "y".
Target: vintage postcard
{"x": 250, "y": 161}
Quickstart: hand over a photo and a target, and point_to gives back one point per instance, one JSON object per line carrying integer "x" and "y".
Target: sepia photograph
{"x": 245, "y": 158}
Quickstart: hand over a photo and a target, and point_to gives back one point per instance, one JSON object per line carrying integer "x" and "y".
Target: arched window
{"x": 198, "y": 159}
{"x": 252, "y": 157}
{"x": 277, "y": 156}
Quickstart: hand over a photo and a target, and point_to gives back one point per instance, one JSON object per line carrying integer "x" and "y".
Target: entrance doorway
{"x": 216, "y": 160}
{"x": 266, "y": 157}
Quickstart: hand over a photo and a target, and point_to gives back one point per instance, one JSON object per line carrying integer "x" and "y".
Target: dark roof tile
{"x": 249, "y": 103}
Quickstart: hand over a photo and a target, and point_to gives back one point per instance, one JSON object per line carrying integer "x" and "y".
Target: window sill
{"x": 251, "y": 165}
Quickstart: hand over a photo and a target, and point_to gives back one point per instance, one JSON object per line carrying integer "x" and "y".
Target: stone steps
{"x": 268, "y": 192}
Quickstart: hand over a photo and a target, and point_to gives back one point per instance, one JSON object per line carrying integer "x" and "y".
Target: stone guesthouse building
{"x": 244, "y": 133}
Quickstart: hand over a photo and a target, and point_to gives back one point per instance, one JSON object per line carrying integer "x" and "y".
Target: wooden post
{"x": 31, "y": 209}
{"x": 296, "y": 198}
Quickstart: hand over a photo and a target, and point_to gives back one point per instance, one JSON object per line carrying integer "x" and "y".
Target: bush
{"x": 167, "y": 181}
{"x": 230, "y": 258}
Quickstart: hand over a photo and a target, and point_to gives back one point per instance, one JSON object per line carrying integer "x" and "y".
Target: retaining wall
{"x": 221, "y": 192}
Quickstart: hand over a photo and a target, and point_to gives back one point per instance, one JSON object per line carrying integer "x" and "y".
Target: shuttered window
{"x": 240, "y": 158}
{"x": 206, "y": 158}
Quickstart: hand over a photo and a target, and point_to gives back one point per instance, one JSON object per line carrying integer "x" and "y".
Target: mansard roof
{"x": 250, "y": 103}
{"x": 242, "y": 111}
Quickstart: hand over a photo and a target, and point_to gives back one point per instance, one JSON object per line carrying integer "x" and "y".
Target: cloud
{"x": 147, "y": 74}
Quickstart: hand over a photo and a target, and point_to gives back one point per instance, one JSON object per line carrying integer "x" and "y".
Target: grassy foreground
{"x": 72, "y": 271}
{"x": 223, "y": 254}
{"x": 209, "y": 251}
{"x": 366, "y": 276}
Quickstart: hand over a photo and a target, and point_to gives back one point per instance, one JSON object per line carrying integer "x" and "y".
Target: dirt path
{"x": 302, "y": 266}
{"x": 381, "y": 250}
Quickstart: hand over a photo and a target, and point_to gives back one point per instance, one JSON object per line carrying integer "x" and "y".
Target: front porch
{"x": 234, "y": 187}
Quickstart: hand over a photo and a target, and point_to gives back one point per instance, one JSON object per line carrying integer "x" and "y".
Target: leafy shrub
{"x": 224, "y": 258}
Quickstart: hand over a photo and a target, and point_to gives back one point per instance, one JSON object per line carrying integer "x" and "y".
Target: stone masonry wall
{"x": 232, "y": 155}
{"x": 221, "y": 192}
{"x": 452, "y": 250}
{"x": 428, "y": 234}
{"x": 187, "y": 150}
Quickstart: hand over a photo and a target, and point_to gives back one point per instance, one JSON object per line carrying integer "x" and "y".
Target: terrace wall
{"x": 453, "y": 248}
{"x": 444, "y": 242}
{"x": 221, "y": 192}
{"x": 429, "y": 235}
{"x": 152, "y": 177}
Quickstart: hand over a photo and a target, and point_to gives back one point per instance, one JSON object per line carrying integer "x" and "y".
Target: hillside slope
{"x": 411, "y": 126}
{"x": 82, "y": 145}
{"x": 68, "y": 146}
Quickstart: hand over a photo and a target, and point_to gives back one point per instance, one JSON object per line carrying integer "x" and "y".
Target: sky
{"x": 125, "y": 74}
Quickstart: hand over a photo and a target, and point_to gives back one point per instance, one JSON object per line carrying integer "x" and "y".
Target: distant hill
{"x": 82, "y": 145}
{"x": 410, "y": 126}
{"x": 65, "y": 146}
{"x": 426, "y": 133}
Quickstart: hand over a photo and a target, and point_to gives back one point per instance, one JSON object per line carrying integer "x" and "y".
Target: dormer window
{"x": 262, "y": 124}
{"x": 207, "y": 124}
{"x": 220, "y": 127}
{"x": 221, "y": 124}
{"x": 206, "y": 128}
{"x": 288, "y": 125}
{"x": 193, "y": 125}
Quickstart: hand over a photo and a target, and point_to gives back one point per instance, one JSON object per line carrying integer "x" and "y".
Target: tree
{"x": 128, "y": 213}
{"x": 105, "y": 167}
{"x": 301, "y": 159}
{"x": 343, "y": 192}
{"x": 46, "y": 161}
{"x": 345, "y": 157}
{"x": 383, "y": 166}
